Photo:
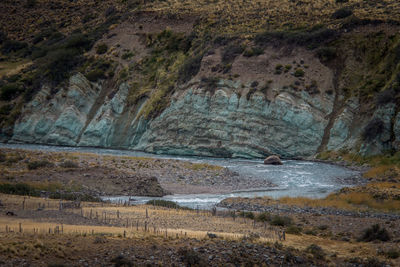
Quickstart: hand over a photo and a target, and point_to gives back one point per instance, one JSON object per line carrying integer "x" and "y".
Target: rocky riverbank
{"x": 248, "y": 205}
{"x": 117, "y": 175}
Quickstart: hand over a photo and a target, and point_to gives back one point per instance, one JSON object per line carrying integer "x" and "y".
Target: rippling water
{"x": 293, "y": 178}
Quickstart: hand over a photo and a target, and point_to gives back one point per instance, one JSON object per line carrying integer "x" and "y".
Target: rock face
{"x": 273, "y": 160}
{"x": 224, "y": 124}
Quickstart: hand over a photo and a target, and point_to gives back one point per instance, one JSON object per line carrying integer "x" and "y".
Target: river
{"x": 294, "y": 178}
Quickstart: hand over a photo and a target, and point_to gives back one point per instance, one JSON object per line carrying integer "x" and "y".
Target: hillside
{"x": 222, "y": 78}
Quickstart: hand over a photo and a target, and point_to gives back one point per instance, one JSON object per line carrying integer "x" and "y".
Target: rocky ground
{"x": 111, "y": 175}
{"x": 329, "y": 240}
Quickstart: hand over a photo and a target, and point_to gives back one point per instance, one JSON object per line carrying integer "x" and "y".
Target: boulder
{"x": 273, "y": 160}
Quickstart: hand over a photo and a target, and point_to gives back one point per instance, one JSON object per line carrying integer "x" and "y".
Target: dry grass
{"x": 162, "y": 222}
{"x": 246, "y": 17}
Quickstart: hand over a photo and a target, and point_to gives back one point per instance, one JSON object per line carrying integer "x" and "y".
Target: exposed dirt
{"x": 112, "y": 175}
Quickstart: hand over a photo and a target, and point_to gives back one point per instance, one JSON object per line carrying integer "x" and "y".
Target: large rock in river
{"x": 273, "y": 160}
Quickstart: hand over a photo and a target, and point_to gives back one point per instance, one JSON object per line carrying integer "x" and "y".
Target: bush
{"x": 121, "y": 261}
{"x": 254, "y": 51}
{"x": 299, "y": 72}
{"x": 59, "y": 63}
{"x": 387, "y": 96}
{"x": 78, "y": 41}
{"x": 210, "y": 84}
{"x": 311, "y": 38}
{"x": 69, "y": 164}
{"x": 3, "y": 37}
{"x": 6, "y": 109}
{"x": 326, "y": 54}
{"x": 263, "y": 217}
{"x": 292, "y": 229}
{"x": 30, "y": 3}
{"x": 392, "y": 253}
{"x": 95, "y": 75}
{"x": 10, "y": 91}
{"x": 375, "y": 232}
{"x": 190, "y": 68}
{"x": 373, "y": 129}
{"x": 231, "y": 52}
{"x": 33, "y": 165}
{"x": 316, "y": 251}
{"x": 281, "y": 220}
{"x": 191, "y": 257}
{"x": 10, "y": 46}
{"x": 101, "y": 49}
{"x": 166, "y": 203}
{"x": 342, "y": 13}
{"x": 18, "y": 189}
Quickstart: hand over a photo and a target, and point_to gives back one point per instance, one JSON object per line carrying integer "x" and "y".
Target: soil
{"x": 112, "y": 175}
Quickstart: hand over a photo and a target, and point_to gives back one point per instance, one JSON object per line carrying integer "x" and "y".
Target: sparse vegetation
{"x": 33, "y": 165}
{"x": 375, "y": 232}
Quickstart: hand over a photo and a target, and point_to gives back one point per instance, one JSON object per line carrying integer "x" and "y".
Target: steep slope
{"x": 169, "y": 82}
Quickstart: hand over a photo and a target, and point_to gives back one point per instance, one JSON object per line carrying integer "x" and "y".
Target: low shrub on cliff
{"x": 10, "y": 91}
{"x": 342, "y": 13}
{"x": 374, "y": 128}
{"x": 190, "y": 68}
{"x": 311, "y": 38}
{"x": 231, "y": 52}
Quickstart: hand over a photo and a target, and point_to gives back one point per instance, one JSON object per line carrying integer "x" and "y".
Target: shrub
{"x": 231, "y": 52}
{"x": 33, "y": 165}
{"x": 166, "y": 203}
{"x": 10, "y": 91}
{"x": 18, "y": 189}
{"x": 263, "y": 217}
{"x": 69, "y": 164}
{"x": 101, "y": 49}
{"x": 3, "y": 37}
{"x": 30, "y": 3}
{"x": 278, "y": 69}
{"x": 392, "y": 253}
{"x": 281, "y": 220}
{"x": 247, "y": 214}
{"x": 127, "y": 55}
{"x": 386, "y": 96}
{"x": 121, "y": 261}
{"x": 375, "y": 232}
{"x": 10, "y": 46}
{"x": 326, "y": 54}
{"x": 210, "y": 83}
{"x": 254, "y": 51}
{"x": 3, "y": 157}
{"x": 342, "y": 13}
{"x": 6, "y": 109}
{"x": 373, "y": 129}
{"x": 78, "y": 41}
{"x": 299, "y": 72}
{"x": 190, "y": 68}
{"x": 316, "y": 251}
{"x": 310, "y": 38}
{"x": 191, "y": 257}
{"x": 95, "y": 75}
{"x": 295, "y": 230}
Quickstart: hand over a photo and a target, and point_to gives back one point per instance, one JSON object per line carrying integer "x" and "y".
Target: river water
{"x": 293, "y": 178}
